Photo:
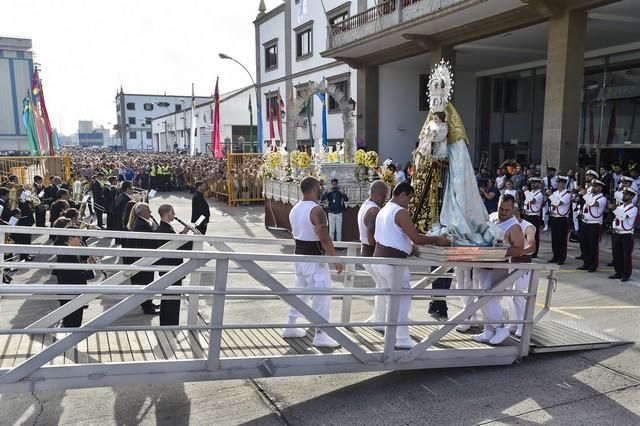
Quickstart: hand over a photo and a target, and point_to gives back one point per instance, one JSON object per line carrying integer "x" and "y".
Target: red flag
{"x": 217, "y": 151}
{"x": 280, "y": 109}
{"x": 272, "y": 132}
{"x": 41, "y": 115}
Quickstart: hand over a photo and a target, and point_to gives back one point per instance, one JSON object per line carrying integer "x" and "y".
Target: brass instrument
{"x": 7, "y": 235}
{"x": 139, "y": 195}
{"x": 191, "y": 228}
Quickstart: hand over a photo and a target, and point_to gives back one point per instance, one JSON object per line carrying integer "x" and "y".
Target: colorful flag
{"x": 260, "y": 131}
{"x": 323, "y": 99}
{"x": 217, "y": 151}
{"x": 302, "y": 9}
{"x": 272, "y": 132}
{"x": 309, "y": 124}
{"x": 27, "y": 122}
{"x": 40, "y": 108}
{"x": 250, "y": 125}
{"x": 55, "y": 140}
{"x": 194, "y": 124}
{"x": 281, "y": 109}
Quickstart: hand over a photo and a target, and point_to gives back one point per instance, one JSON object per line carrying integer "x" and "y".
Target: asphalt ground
{"x": 572, "y": 388}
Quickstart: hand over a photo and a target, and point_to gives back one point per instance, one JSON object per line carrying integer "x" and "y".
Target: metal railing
{"x": 26, "y": 168}
{"x": 33, "y": 373}
{"x": 385, "y": 7}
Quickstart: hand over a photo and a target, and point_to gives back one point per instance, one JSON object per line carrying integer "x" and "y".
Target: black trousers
{"x": 74, "y": 319}
{"x": 590, "y": 245}
{"x": 536, "y": 221}
{"x": 202, "y": 228}
{"x": 41, "y": 213}
{"x": 559, "y": 235}
{"x": 143, "y": 278}
{"x": 22, "y": 239}
{"x": 170, "y": 309}
{"x": 440, "y": 305}
{"x": 622, "y": 249}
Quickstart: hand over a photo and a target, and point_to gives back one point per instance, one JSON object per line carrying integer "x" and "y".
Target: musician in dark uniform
{"x": 110, "y": 194}
{"x": 142, "y": 223}
{"x": 200, "y": 207}
{"x": 5, "y": 216}
{"x": 41, "y": 210}
{"x": 169, "y": 309}
{"x": 122, "y": 199}
{"x": 96, "y": 189}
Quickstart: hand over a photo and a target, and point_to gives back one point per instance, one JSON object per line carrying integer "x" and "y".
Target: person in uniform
{"x": 367, "y": 226}
{"x": 590, "y": 175}
{"x": 559, "y": 221}
{"x": 623, "y": 227}
{"x": 592, "y": 213}
{"x": 110, "y": 194}
{"x": 395, "y": 236}
{"x": 311, "y": 235}
{"x": 533, "y": 201}
{"x": 496, "y": 333}
{"x": 169, "y": 308}
{"x": 142, "y": 223}
{"x": 517, "y": 304}
{"x": 549, "y": 185}
{"x": 123, "y": 198}
{"x": 41, "y": 210}
{"x": 625, "y": 182}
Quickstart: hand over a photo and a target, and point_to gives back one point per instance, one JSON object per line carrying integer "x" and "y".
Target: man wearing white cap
{"x": 559, "y": 221}
{"x": 625, "y": 182}
{"x": 532, "y": 208}
{"x": 592, "y": 213}
{"x": 589, "y": 176}
{"x": 622, "y": 248}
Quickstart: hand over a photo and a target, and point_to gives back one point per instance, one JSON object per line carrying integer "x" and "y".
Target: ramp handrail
{"x": 32, "y": 368}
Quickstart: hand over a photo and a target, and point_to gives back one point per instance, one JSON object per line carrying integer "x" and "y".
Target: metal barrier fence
{"x": 201, "y": 348}
{"x": 26, "y": 168}
{"x": 243, "y": 184}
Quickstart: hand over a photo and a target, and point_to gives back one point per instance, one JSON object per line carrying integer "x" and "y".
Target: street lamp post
{"x": 258, "y": 99}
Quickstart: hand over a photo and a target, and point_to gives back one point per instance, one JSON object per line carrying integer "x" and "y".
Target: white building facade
{"x": 135, "y": 113}
{"x": 16, "y": 70}
{"x": 172, "y": 132}
{"x": 289, "y": 39}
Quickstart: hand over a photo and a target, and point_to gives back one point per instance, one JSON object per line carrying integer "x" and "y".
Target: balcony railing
{"x": 387, "y": 7}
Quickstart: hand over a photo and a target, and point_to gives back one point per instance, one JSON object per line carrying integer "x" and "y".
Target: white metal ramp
{"x": 42, "y": 356}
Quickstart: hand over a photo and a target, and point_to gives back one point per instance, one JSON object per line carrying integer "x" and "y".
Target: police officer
{"x": 592, "y": 214}
{"x": 623, "y": 223}
{"x": 532, "y": 207}
{"x": 560, "y": 208}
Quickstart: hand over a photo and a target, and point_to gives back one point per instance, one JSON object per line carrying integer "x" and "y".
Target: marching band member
{"x": 141, "y": 215}
{"x": 395, "y": 237}
{"x": 366, "y": 226}
{"x": 625, "y": 218}
{"x": 311, "y": 234}
{"x": 533, "y": 201}
{"x": 592, "y": 212}
{"x": 579, "y": 204}
{"x": 625, "y": 182}
{"x": 549, "y": 185}
{"x": 559, "y": 220}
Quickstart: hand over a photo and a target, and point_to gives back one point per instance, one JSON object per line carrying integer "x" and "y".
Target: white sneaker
{"x": 483, "y": 337}
{"x": 288, "y": 333}
{"x": 321, "y": 340}
{"x": 500, "y": 336}
{"x": 405, "y": 343}
{"x": 518, "y": 332}
{"x": 546, "y": 228}
{"x": 463, "y": 327}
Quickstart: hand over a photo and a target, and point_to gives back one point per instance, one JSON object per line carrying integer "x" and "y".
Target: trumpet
{"x": 191, "y": 228}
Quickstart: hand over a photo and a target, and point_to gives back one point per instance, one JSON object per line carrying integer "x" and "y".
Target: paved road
{"x": 590, "y": 387}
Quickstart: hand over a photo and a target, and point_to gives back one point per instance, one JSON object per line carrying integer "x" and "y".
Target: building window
{"x": 132, "y": 120}
{"x": 148, "y": 107}
{"x": 118, "y": 107}
{"x": 304, "y": 41}
{"x": 20, "y": 55}
{"x": 147, "y": 120}
{"x": 131, "y": 106}
{"x": 178, "y": 107}
{"x": 148, "y": 135}
{"x": 271, "y": 55}
{"x": 133, "y": 135}
{"x": 343, "y": 86}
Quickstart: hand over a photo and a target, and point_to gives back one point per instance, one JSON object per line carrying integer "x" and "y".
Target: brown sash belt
{"x": 384, "y": 251}
{"x": 367, "y": 250}
{"x": 311, "y": 248}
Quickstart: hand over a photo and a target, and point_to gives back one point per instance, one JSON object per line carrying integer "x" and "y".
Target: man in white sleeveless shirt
{"x": 310, "y": 231}
{"x": 395, "y": 235}
{"x": 517, "y": 303}
{"x": 514, "y": 239}
{"x": 366, "y": 226}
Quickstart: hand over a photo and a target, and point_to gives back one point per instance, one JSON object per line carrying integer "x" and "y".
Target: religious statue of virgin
{"x": 446, "y": 199}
